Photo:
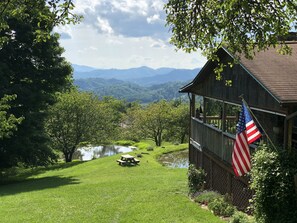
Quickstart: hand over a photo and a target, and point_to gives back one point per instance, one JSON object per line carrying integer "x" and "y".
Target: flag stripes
{"x": 241, "y": 155}
{"x": 246, "y": 133}
{"x": 252, "y": 132}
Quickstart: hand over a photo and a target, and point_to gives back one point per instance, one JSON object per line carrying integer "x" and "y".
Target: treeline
{"x": 131, "y": 92}
{"x": 80, "y": 118}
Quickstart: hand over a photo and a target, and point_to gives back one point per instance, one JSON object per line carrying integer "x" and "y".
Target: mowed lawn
{"x": 102, "y": 191}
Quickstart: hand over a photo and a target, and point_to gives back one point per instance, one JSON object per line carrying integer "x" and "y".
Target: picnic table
{"x": 127, "y": 159}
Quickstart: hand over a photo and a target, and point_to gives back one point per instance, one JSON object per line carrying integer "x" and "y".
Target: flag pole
{"x": 241, "y": 96}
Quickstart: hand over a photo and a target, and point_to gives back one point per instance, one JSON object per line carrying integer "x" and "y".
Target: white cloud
{"x": 123, "y": 34}
{"x": 153, "y": 19}
{"x": 135, "y": 18}
{"x": 103, "y": 24}
{"x": 131, "y": 6}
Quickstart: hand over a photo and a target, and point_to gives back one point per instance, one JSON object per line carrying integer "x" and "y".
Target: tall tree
{"x": 153, "y": 120}
{"x": 244, "y": 26}
{"x": 78, "y": 117}
{"x": 32, "y": 68}
{"x": 179, "y": 123}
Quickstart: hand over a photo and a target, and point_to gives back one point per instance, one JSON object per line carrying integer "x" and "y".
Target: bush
{"x": 221, "y": 207}
{"x": 272, "y": 180}
{"x": 150, "y": 148}
{"x": 196, "y": 179}
{"x": 239, "y": 217}
{"x": 206, "y": 197}
{"x": 125, "y": 142}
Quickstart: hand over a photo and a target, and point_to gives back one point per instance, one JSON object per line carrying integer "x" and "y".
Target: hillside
{"x": 103, "y": 191}
{"x": 130, "y": 91}
{"x": 142, "y": 84}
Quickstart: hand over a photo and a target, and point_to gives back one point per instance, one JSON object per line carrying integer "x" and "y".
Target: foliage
{"x": 158, "y": 121}
{"x": 196, "y": 179}
{"x": 142, "y": 145}
{"x": 124, "y": 142}
{"x": 33, "y": 70}
{"x": 8, "y": 122}
{"x": 239, "y": 217}
{"x": 78, "y": 117}
{"x": 221, "y": 207}
{"x": 57, "y": 13}
{"x": 243, "y": 26}
{"x": 131, "y": 92}
{"x": 150, "y": 121}
{"x": 179, "y": 123}
{"x": 272, "y": 180}
{"x": 206, "y": 197}
{"x": 95, "y": 191}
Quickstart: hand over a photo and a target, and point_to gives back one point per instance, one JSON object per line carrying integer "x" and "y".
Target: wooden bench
{"x": 122, "y": 162}
{"x": 136, "y": 161}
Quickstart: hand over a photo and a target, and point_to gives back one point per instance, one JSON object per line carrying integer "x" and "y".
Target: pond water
{"x": 94, "y": 152}
{"x": 178, "y": 159}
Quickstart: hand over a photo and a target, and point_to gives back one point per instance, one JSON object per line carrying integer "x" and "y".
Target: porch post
{"x": 193, "y": 105}
{"x": 204, "y": 110}
{"x": 223, "y": 123}
{"x": 290, "y": 132}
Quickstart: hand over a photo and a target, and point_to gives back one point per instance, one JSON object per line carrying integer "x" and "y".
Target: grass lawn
{"x": 102, "y": 191}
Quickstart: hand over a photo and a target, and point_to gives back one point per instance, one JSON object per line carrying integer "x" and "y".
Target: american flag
{"x": 246, "y": 133}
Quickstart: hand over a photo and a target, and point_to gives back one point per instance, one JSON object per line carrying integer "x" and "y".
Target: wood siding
{"x": 242, "y": 84}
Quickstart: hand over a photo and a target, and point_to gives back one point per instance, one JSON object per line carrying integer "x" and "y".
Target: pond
{"x": 179, "y": 159}
{"x": 94, "y": 152}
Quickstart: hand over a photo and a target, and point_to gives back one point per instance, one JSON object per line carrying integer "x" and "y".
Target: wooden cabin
{"x": 268, "y": 83}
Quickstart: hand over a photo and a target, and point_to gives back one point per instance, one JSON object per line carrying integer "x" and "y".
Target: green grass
{"x": 102, "y": 191}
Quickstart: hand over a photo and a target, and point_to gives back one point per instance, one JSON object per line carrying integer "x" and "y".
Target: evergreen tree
{"x": 32, "y": 68}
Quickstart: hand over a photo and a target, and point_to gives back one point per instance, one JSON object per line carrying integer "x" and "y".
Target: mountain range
{"x": 143, "y": 76}
{"x": 142, "y": 84}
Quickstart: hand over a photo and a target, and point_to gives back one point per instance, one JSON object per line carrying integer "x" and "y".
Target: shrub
{"x": 221, "y": 207}
{"x": 206, "y": 197}
{"x": 239, "y": 217}
{"x": 125, "y": 142}
{"x": 272, "y": 180}
{"x": 196, "y": 179}
{"x": 150, "y": 148}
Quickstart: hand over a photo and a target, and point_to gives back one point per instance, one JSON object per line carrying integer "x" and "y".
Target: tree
{"x": 77, "y": 117}
{"x": 178, "y": 129}
{"x": 129, "y": 122}
{"x": 243, "y": 26}
{"x": 153, "y": 120}
{"x": 32, "y": 68}
{"x": 58, "y": 12}
{"x": 8, "y": 122}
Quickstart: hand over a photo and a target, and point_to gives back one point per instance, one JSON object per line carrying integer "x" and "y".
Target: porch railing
{"x": 213, "y": 139}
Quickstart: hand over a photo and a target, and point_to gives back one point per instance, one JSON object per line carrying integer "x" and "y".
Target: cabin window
{"x": 273, "y": 125}
{"x": 214, "y": 113}
{"x": 199, "y": 107}
{"x": 232, "y": 115}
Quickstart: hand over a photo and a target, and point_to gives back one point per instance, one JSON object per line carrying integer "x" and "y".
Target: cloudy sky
{"x": 123, "y": 34}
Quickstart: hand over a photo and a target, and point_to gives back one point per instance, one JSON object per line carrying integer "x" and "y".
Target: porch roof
{"x": 276, "y": 73}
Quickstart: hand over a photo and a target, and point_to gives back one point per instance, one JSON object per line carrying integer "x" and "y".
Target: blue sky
{"x": 123, "y": 34}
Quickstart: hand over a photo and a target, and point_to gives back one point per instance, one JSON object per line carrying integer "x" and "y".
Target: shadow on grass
{"x": 36, "y": 185}
{"x": 13, "y": 175}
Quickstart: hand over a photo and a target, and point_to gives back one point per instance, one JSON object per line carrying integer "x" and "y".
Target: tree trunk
{"x": 182, "y": 140}
{"x": 68, "y": 157}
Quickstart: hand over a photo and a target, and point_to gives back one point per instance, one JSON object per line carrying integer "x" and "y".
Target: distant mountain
{"x": 141, "y": 84}
{"x": 143, "y": 76}
{"x": 82, "y": 68}
{"x": 173, "y": 76}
